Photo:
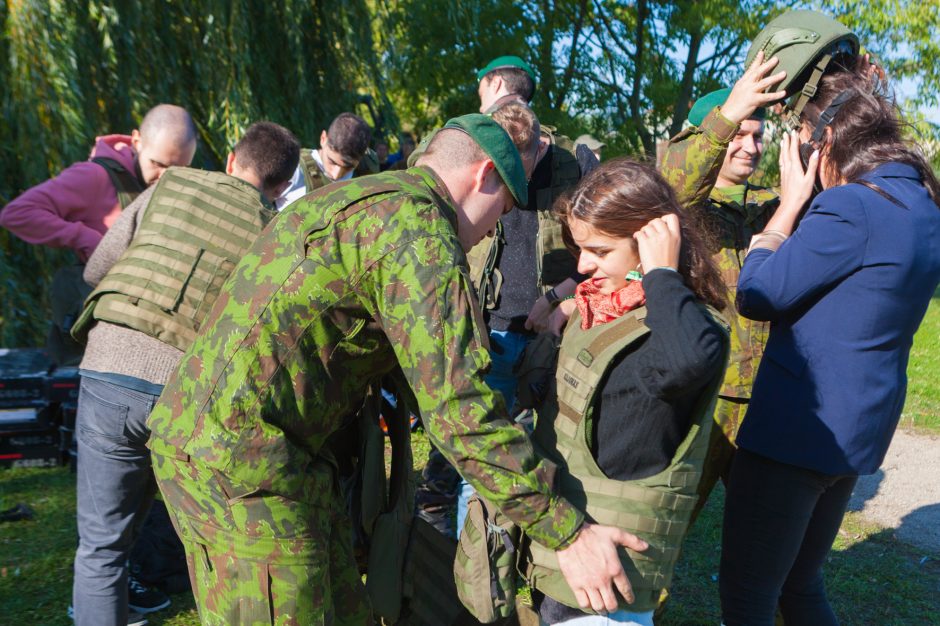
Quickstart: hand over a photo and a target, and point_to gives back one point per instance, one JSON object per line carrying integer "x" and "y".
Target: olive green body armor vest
{"x": 314, "y": 178}
{"x": 554, "y": 262}
{"x": 657, "y": 508}
{"x": 194, "y": 230}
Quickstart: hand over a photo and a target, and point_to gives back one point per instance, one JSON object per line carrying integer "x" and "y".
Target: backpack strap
{"x": 126, "y": 183}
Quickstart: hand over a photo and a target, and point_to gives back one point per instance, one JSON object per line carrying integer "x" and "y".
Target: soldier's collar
{"x": 439, "y": 190}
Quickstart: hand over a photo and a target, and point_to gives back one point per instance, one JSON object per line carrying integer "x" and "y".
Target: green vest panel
{"x": 314, "y": 178}
{"x": 194, "y": 230}
{"x": 656, "y": 508}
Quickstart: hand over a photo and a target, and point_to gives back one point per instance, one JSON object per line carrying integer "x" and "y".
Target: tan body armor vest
{"x": 194, "y": 230}
{"x": 554, "y": 262}
{"x": 657, "y": 508}
{"x": 314, "y": 178}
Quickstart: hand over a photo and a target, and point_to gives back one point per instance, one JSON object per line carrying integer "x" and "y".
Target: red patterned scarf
{"x": 599, "y": 308}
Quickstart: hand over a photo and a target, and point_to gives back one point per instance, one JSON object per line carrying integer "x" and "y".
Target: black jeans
{"x": 780, "y": 522}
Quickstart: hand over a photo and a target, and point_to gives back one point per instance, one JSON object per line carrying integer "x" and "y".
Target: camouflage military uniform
{"x": 691, "y": 165}
{"x": 348, "y": 283}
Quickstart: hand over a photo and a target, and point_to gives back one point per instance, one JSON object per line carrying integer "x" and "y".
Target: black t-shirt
{"x": 517, "y": 258}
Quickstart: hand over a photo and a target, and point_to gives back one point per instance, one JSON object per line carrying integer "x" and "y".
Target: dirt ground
{"x": 905, "y": 493}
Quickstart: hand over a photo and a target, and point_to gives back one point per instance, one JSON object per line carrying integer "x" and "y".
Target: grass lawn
{"x": 922, "y": 409}
{"x": 872, "y": 577}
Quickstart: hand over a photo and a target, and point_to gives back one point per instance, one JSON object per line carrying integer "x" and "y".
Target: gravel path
{"x": 905, "y": 493}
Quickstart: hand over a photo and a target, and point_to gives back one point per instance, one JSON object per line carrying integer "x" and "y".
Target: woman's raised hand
{"x": 659, "y": 242}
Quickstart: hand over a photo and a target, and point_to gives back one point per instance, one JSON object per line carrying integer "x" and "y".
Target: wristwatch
{"x": 552, "y": 297}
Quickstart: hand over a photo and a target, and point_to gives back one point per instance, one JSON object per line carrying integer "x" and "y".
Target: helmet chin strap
{"x": 838, "y": 54}
{"x": 825, "y": 119}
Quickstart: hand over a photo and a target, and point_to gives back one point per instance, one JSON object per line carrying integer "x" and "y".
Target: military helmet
{"x": 806, "y": 43}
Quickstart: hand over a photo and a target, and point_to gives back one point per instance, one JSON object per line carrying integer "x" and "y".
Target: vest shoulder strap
{"x": 313, "y": 175}
{"x": 578, "y": 377}
{"x": 125, "y": 182}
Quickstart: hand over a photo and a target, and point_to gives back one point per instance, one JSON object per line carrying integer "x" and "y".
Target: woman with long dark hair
{"x": 845, "y": 287}
{"x": 629, "y": 418}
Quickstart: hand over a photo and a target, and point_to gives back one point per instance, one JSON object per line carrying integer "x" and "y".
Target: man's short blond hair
{"x": 452, "y": 148}
{"x": 522, "y": 125}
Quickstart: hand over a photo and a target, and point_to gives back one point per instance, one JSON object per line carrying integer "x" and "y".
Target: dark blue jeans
{"x": 780, "y": 522}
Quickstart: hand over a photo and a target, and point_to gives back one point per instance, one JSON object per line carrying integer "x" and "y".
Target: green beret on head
{"x": 503, "y": 62}
{"x": 498, "y": 146}
{"x": 709, "y": 101}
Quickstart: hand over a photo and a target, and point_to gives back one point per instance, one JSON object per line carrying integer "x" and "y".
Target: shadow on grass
{"x": 865, "y": 489}
{"x": 880, "y": 580}
{"x": 871, "y": 576}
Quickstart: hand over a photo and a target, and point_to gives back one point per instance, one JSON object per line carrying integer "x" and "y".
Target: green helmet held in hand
{"x": 806, "y": 43}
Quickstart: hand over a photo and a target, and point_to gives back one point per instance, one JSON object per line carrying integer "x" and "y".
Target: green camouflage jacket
{"x": 346, "y": 284}
{"x": 691, "y": 165}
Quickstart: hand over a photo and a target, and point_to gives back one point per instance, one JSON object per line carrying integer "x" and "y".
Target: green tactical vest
{"x": 125, "y": 182}
{"x": 314, "y": 178}
{"x": 194, "y": 230}
{"x": 554, "y": 262}
{"x": 656, "y": 508}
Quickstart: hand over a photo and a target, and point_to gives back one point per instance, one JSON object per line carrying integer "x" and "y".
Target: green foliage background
{"x": 626, "y": 71}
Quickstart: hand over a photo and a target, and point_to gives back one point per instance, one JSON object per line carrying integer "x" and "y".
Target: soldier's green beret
{"x": 498, "y": 146}
{"x": 503, "y": 62}
{"x": 709, "y": 101}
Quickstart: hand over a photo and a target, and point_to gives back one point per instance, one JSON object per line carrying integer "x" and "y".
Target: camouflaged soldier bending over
{"x": 709, "y": 165}
{"x": 349, "y": 283}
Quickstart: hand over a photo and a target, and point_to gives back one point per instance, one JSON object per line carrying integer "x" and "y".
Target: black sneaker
{"x": 145, "y": 599}
{"x": 136, "y": 619}
{"x": 133, "y": 618}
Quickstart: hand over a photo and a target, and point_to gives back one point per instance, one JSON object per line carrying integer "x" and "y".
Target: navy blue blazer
{"x": 844, "y": 295}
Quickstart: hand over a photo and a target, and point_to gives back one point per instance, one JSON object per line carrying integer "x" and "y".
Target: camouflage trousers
{"x": 728, "y": 415}
{"x": 260, "y": 558}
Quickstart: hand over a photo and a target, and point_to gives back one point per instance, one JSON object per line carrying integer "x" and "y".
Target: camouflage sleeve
{"x": 693, "y": 157}
{"x": 424, "y": 303}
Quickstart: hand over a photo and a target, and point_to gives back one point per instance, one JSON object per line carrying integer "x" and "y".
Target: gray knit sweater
{"x": 116, "y": 349}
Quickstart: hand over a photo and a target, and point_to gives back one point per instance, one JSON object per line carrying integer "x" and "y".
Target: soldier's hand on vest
{"x": 539, "y": 315}
{"x": 748, "y": 94}
{"x": 592, "y": 568}
{"x": 560, "y": 316}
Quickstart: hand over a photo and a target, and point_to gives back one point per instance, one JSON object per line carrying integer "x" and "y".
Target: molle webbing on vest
{"x": 314, "y": 178}
{"x": 486, "y": 278}
{"x": 125, "y": 182}
{"x": 554, "y": 261}
{"x": 194, "y": 230}
{"x": 656, "y": 508}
